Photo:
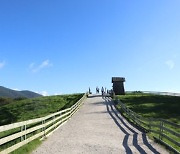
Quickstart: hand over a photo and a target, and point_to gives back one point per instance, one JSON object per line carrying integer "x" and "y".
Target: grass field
{"x": 28, "y": 148}
{"x": 26, "y": 109}
{"x": 155, "y": 106}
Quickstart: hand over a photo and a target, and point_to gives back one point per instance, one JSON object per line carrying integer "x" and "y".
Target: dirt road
{"x": 97, "y": 128}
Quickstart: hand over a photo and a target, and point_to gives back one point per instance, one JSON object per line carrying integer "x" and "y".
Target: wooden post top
{"x": 118, "y": 79}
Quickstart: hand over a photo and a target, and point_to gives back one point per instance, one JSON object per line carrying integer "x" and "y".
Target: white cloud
{"x": 31, "y": 65}
{"x": 37, "y": 68}
{"x": 44, "y": 93}
{"x": 15, "y": 89}
{"x": 2, "y": 64}
{"x": 170, "y": 64}
{"x": 58, "y": 94}
{"x": 44, "y": 64}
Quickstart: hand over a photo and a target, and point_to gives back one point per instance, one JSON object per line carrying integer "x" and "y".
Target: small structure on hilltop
{"x": 118, "y": 85}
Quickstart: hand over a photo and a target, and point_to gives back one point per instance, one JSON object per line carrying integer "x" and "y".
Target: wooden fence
{"x": 164, "y": 131}
{"x": 15, "y": 135}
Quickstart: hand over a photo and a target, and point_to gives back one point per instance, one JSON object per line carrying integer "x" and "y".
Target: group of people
{"x": 103, "y": 91}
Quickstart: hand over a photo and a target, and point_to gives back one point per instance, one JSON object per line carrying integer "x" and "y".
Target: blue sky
{"x": 66, "y": 46}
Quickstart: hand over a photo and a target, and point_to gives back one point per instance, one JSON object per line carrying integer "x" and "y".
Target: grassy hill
{"x": 20, "y": 110}
{"x": 153, "y": 106}
{"x": 6, "y": 92}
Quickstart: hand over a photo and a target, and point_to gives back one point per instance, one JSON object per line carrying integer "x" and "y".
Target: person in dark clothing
{"x": 89, "y": 90}
{"x": 102, "y": 91}
{"x": 97, "y": 90}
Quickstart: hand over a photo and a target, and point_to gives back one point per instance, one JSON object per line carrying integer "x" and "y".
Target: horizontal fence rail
{"x": 15, "y": 135}
{"x": 165, "y": 131}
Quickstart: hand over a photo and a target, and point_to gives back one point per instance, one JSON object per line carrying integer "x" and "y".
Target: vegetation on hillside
{"x": 25, "y": 109}
{"x": 153, "y": 106}
{"x": 5, "y": 100}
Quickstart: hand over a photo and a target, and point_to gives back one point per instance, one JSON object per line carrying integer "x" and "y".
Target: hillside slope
{"x": 6, "y": 92}
{"x": 21, "y": 110}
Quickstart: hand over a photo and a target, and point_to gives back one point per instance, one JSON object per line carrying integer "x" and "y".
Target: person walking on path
{"x": 97, "y": 90}
{"x": 89, "y": 90}
{"x": 102, "y": 91}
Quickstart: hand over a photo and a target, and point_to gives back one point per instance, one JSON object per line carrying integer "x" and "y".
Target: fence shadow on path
{"x": 128, "y": 130}
{"x": 92, "y": 96}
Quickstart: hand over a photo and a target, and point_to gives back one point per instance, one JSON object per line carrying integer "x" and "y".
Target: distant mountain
{"x": 6, "y": 92}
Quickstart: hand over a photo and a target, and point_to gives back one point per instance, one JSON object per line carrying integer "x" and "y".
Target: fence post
{"x": 21, "y": 131}
{"x": 23, "y": 128}
{"x": 161, "y": 130}
{"x": 162, "y": 125}
{"x": 150, "y": 122}
{"x": 60, "y": 118}
{"x": 43, "y": 128}
{"x": 54, "y": 121}
{"x": 71, "y": 112}
{"x": 136, "y": 119}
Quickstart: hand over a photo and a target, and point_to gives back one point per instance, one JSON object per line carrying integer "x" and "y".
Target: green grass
{"x": 21, "y": 110}
{"x": 155, "y": 106}
{"x": 28, "y": 148}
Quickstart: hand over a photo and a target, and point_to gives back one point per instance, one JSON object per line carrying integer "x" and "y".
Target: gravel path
{"x": 97, "y": 128}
